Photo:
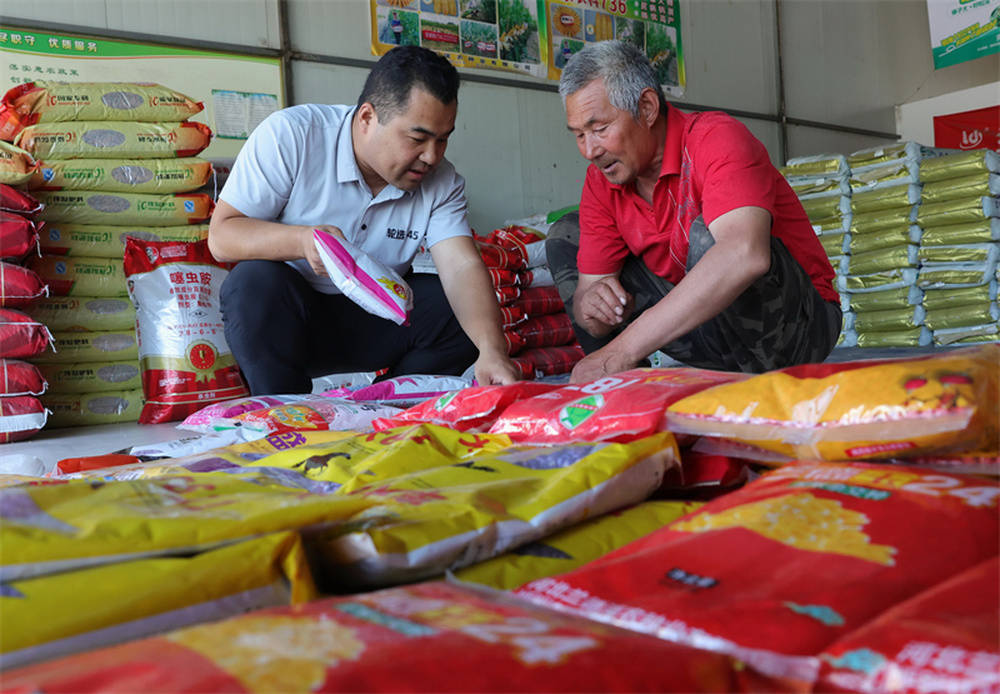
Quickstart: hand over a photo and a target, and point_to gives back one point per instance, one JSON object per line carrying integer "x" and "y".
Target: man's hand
{"x": 603, "y": 305}
{"x": 309, "y": 251}
{"x": 495, "y": 368}
{"x": 604, "y": 362}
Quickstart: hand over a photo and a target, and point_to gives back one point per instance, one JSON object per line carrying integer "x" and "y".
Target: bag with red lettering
{"x": 312, "y": 412}
{"x": 19, "y": 286}
{"x": 470, "y": 409}
{"x": 186, "y": 363}
{"x": 219, "y": 415}
{"x": 20, "y": 378}
{"x": 501, "y": 258}
{"x": 18, "y": 235}
{"x": 21, "y": 416}
{"x": 388, "y": 641}
{"x": 945, "y": 639}
{"x": 539, "y": 301}
{"x": 14, "y": 200}
{"x": 21, "y": 336}
{"x": 514, "y": 236}
{"x": 622, "y": 407}
{"x": 775, "y": 572}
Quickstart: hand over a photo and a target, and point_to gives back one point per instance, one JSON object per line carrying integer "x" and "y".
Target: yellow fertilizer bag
{"x": 16, "y": 165}
{"x": 144, "y": 209}
{"x": 83, "y": 313}
{"x": 64, "y": 525}
{"x": 81, "y": 276}
{"x": 134, "y": 599}
{"x": 114, "y": 140}
{"x": 434, "y": 517}
{"x": 122, "y": 175}
{"x": 108, "y": 240}
{"x": 47, "y": 102}
{"x": 86, "y": 409}
{"x": 92, "y": 377}
{"x": 91, "y": 345}
{"x": 856, "y": 410}
{"x": 899, "y": 337}
{"x": 575, "y": 546}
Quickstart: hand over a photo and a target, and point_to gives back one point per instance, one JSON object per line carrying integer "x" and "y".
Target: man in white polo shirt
{"x": 376, "y": 174}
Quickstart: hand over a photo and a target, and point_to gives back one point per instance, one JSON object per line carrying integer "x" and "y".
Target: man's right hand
{"x": 603, "y": 305}
{"x": 309, "y": 251}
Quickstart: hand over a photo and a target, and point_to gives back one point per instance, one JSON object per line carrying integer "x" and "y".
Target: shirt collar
{"x": 676, "y": 124}
{"x": 347, "y": 165}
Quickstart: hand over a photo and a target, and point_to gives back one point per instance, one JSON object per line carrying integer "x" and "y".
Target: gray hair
{"x": 625, "y": 69}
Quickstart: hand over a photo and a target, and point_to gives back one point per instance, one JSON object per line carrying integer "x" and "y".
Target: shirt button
{"x": 364, "y": 226}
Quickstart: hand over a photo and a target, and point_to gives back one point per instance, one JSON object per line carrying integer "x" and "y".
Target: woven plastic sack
{"x": 92, "y": 377}
{"x": 393, "y": 640}
{"x": 21, "y": 336}
{"x": 760, "y": 573}
{"x": 87, "y": 409}
{"x": 371, "y": 285}
{"x": 551, "y": 361}
{"x": 855, "y": 410}
{"x": 83, "y": 313}
{"x": 539, "y": 301}
{"x": 88, "y": 346}
{"x": 21, "y": 416}
{"x": 502, "y": 258}
{"x": 20, "y": 378}
{"x": 46, "y": 102}
{"x": 943, "y": 639}
{"x": 468, "y": 409}
{"x": 114, "y": 140}
{"x": 123, "y": 209}
{"x": 19, "y": 286}
{"x": 18, "y": 235}
{"x": 122, "y": 176}
{"x": 14, "y": 200}
{"x": 622, "y": 407}
{"x": 108, "y": 240}
{"x": 71, "y": 276}
{"x": 186, "y": 362}
{"x": 16, "y": 165}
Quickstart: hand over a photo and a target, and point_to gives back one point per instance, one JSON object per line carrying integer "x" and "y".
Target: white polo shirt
{"x": 298, "y": 167}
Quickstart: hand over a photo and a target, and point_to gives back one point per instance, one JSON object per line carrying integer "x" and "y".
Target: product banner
{"x": 963, "y": 30}
{"x": 978, "y": 129}
{"x": 534, "y": 37}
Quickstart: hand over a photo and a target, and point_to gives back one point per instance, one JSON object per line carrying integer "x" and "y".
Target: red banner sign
{"x": 976, "y": 129}
{"x": 440, "y": 36}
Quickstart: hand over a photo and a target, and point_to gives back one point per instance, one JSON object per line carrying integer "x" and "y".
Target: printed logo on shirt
{"x": 401, "y": 234}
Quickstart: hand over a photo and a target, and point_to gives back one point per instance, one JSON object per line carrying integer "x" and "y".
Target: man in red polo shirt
{"x": 688, "y": 240}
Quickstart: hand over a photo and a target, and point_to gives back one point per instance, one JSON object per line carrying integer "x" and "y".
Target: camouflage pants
{"x": 780, "y": 320}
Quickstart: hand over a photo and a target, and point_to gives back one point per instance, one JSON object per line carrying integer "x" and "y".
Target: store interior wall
{"x": 845, "y": 65}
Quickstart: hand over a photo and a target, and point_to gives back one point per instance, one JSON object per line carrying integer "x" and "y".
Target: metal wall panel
{"x": 804, "y": 141}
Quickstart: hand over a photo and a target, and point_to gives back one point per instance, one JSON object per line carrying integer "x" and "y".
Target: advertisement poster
{"x": 491, "y": 34}
{"x": 238, "y": 91}
{"x": 977, "y": 129}
{"x": 535, "y": 37}
{"x": 963, "y": 30}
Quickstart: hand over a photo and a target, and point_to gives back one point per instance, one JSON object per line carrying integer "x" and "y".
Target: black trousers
{"x": 780, "y": 320}
{"x": 283, "y": 332}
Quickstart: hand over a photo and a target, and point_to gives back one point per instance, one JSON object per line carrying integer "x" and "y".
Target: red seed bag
{"x": 946, "y": 639}
{"x": 506, "y": 295}
{"x": 18, "y": 235}
{"x": 21, "y": 336}
{"x": 21, "y": 416}
{"x": 775, "y": 572}
{"x": 469, "y": 409}
{"x": 428, "y": 637}
{"x": 20, "y": 378}
{"x": 552, "y": 330}
{"x": 13, "y": 200}
{"x": 622, "y": 407}
{"x": 501, "y": 258}
{"x": 19, "y": 286}
{"x": 186, "y": 363}
{"x": 539, "y": 301}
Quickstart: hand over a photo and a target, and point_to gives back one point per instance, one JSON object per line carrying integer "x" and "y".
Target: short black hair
{"x": 398, "y": 71}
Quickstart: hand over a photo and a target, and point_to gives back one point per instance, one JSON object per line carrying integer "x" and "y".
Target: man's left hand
{"x": 603, "y": 362}
{"x": 495, "y": 369}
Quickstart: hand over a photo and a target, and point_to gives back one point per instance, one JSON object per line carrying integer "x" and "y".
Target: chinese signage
{"x": 238, "y": 91}
{"x": 976, "y": 129}
{"x": 535, "y": 37}
{"x": 963, "y": 30}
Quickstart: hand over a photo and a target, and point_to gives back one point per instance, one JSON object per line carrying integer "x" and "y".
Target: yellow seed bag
{"x": 122, "y": 175}
{"x": 125, "y": 209}
{"x": 113, "y": 140}
{"x": 108, "y": 240}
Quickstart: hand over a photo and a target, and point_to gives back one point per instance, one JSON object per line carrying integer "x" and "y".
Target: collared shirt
{"x": 298, "y": 167}
{"x": 711, "y": 165}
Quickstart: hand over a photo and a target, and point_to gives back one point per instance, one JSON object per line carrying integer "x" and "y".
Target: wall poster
{"x": 963, "y": 30}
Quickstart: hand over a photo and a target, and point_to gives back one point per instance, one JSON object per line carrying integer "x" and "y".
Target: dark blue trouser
{"x": 283, "y": 332}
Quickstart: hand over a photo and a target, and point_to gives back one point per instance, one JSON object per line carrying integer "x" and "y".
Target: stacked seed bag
{"x": 115, "y": 160}
{"x": 822, "y": 184}
{"x": 21, "y": 336}
{"x": 960, "y": 219}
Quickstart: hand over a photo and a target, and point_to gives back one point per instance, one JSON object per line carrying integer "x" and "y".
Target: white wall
{"x": 915, "y": 120}
{"x": 846, "y": 62}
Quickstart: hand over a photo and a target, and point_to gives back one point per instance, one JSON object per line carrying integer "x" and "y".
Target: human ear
{"x": 649, "y": 107}
{"x": 367, "y": 116}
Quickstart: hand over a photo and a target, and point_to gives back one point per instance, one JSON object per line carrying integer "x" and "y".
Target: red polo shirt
{"x": 711, "y": 165}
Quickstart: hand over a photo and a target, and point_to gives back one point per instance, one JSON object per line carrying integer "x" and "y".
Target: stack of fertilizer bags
{"x": 823, "y": 187}
{"x": 862, "y": 555}
{"x": 960, "y": 219}
{"x": 114, "y": 160}
{"x": 22, "y": 337}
